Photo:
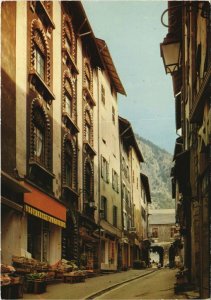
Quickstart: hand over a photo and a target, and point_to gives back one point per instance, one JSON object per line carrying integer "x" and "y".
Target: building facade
{"x": 191, "y": 77}
{"x": 135, "y": 198}
{"x": 61, "y": 161}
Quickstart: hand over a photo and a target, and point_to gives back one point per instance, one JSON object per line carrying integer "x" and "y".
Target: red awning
{"x": 44, "y": 203}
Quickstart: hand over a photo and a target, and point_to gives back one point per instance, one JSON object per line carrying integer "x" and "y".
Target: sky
{"x": 133, "y": 33}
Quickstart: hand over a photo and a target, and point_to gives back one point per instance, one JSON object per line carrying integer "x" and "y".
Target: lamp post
{"x": 171, "y": 53}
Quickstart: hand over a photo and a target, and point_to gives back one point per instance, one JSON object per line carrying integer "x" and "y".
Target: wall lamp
{"x": 170, "y": 51}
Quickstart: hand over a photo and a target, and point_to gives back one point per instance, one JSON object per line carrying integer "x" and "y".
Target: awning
{"x": 45, "y": 207}
{"x": 39, "y": 214}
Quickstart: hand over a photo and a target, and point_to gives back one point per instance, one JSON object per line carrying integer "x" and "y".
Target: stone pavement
{"x": 84, "y": 290}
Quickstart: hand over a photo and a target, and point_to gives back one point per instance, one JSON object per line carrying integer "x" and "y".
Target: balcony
{"x": 88, "y": 96}
{"x": 69, "y": 60}
{"x": 69, "y": 122}
{"x": 38, "y": 83}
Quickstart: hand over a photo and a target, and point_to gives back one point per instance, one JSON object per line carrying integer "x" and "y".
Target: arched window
{"x": 68, "y": 98}
{"x": 88, "y": 127}
{"x": 68, "y": 164}
{"x": 39, "y": 126}
{"x": 87, "y": 77}
{"x": 88, "y": 183}
{"x": 39, "y": 54}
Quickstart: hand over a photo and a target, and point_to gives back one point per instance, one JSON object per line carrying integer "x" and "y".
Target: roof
{"x": 145, "y": 182}
{"x": 161, "y": 216}
{"x": 128, "y": 137}
{"x": 98, "y": 47}
{"x": 109, "y": 65}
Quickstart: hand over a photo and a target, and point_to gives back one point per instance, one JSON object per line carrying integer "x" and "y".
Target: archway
{"x": 160, "y": 252}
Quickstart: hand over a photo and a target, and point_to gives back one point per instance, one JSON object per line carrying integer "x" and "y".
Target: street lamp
{"x": 171, "y": 53}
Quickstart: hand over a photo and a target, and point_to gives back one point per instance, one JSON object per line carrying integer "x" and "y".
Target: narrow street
{"x": 133, "y": 284}
{"x": 157, "y": 285}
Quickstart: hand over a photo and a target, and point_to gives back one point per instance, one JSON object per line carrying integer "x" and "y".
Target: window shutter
{"x": 107, "y": 172}
{"x": 101, "y": 166}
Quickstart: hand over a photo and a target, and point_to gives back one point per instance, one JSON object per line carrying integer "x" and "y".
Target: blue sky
{"x": 133, "y": 33}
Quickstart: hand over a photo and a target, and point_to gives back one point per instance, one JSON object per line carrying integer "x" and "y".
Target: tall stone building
{"x": 135, "y": 198}
{"x": 186, "y": 52}
{"x": 61, "y": 170}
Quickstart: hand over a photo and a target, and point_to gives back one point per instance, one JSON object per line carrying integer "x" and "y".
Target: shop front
{"x": 45, "y": 218}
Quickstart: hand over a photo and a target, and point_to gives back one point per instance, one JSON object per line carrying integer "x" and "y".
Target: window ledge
{"x": 47, "y": 18}
{"x": 70, "y": 60}
{"x": 69, "y": 121}
{"x": 89, "y": 148}
{"x": 89, "y": 96}
{"x": 70, "y": 190}
{"x": 41, "y": 86}
{"x": 41, "y": 168}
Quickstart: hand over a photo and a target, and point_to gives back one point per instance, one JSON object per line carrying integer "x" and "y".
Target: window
{"x": 68, "y": 165}
{"x": 155, "y": 232}
{"x": 103, "y": 94}
{"x": 87, "y": 77}
{"x": 115, "y": 216}
{"x": 68, "y": 45}
{"x": 68, "y": 105}
{"x": 143, "y": 213}
{"x": 88, "y": 185}
{"x": 113, "y": 114}
{"x": 104, "y": 169}
{"x": 103, "y": 208}
{"x": 88, "y": 128}
{"x": 40, "y": 63}
{"x": 39, "y": 136}
{"x": 115, "y": 181}
{"x": 172, "y": 231}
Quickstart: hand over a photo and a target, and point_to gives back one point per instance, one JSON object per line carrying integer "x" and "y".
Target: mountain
{"x": 157, "y": 166}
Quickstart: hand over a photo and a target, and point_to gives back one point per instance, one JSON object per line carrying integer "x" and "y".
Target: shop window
{"x": 103, "y": 208}
{"x": 102, "y": 251}
{"x": 114, "y": 215}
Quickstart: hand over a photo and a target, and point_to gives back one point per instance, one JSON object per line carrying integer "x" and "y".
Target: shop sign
{"x": 43, "y": 216}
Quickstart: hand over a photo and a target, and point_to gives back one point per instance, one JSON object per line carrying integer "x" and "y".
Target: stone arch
{"x": 39, "y": 39}
{"x": 37, "y": 105}
{"x": 69, "y": 32}
{"x": 70, "y": 140}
